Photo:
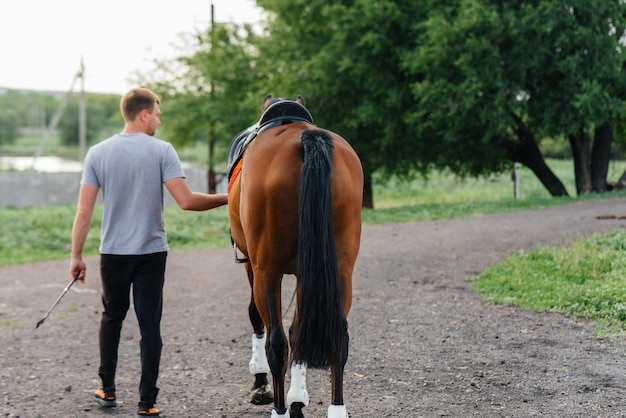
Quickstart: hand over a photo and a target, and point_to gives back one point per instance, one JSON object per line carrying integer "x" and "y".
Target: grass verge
{"x": 585, "y": 280}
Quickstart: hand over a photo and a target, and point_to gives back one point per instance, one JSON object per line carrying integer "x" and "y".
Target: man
{"x": 131, "y": 168}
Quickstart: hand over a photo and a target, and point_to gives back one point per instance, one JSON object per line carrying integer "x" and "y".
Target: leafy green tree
{"x": 22, "y": 110}
{"x": 486, "y": 81}
{"x": 345, "y": 59}
{"x": 31, "y": 109}
{"x": 587, "y": 66}
{"x": 212, "y": 94}
{"x": 491, "y": 79}
{"x": 413, "y": 85}
{"x": 8, "y": 126}
{"x": 103, "y": 118}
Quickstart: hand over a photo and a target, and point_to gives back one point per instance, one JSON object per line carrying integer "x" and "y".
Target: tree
{"x": 23, "y": 109}
{"x": 8, "y": 127}
{"x": 413, "y": 85}
{"x": 487, "y": 81}
{"x": 492, "y": 79}
{"x": 212, "y": 93}
{"x": 103, "y": 118}
{"x": 344, "y": 58}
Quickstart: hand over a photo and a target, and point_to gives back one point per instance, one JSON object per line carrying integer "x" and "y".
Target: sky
{"x": 42, "y": 42}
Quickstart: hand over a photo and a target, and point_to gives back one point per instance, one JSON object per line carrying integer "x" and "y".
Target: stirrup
{"x": 237, "y": 259}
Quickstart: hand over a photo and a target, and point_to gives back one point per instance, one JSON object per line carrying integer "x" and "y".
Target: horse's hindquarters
{"x": 268, "y": 211}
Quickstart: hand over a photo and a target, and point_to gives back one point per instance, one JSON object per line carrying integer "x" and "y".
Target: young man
{"x": 131, "y": 168}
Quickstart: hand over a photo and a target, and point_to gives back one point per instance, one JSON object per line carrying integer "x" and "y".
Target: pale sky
{"x": 42, "y": 41}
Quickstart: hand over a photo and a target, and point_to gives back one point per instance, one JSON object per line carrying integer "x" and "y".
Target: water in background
{"x": 46, "y": 164}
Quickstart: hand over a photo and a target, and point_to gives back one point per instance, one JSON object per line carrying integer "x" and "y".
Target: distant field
{"x": 445, "y": 188}
{"x": 31, "y": 144}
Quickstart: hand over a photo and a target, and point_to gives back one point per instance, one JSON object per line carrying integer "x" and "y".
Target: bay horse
{"x": 294, "y": 207}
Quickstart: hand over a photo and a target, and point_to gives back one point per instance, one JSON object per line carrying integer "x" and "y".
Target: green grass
{"x": 585, "y": 279}
{"x": 444, "y": 188}
{"x": 44, "y": 233}
{"x": 436, "y": 211}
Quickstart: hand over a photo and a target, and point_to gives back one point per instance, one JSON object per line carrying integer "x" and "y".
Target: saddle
{"x": 282, "y": 112}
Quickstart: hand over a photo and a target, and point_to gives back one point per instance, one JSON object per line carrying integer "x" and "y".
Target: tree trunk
{"x": 368, "y": 194}
{"x": 527, "y": 152}
{"x": 579, "y": 143}
{"x": 600, "y": 157}
{"x": 211, "y": 180}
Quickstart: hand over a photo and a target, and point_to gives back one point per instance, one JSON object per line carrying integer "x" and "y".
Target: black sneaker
{"x": 105, "y": 400}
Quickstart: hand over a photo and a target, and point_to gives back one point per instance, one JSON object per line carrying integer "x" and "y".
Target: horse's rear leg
{"x": 298, "y": 396}
{"x": 278, "y": 352}
{"x": 261, "y": 392}
{"x": 337, "y": 409}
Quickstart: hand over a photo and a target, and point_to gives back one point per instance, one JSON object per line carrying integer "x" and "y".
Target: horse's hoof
{"x": 262, "y": 396}
{"x": 295, "y": 410}
{"x": 277, "y": 415}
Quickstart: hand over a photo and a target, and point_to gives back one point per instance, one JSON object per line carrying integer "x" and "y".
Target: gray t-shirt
{"x": 130, "y": 169}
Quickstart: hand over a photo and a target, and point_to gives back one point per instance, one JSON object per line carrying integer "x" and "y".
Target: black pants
{"x": 146, "y": 274}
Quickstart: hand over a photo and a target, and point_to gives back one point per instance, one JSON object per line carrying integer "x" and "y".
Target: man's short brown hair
{"x": 136, "y": 100}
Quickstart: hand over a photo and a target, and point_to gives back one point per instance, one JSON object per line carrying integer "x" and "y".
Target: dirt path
{"x": 422, "y": 343}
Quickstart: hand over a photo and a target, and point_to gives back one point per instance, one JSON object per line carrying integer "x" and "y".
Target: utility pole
{"x": 516, "y": 180}
{"x": 57, "y": 117}
{"x": 211, "y": 139}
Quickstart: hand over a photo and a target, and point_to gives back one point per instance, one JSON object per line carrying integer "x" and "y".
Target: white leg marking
{"x": 337, "y": 411}
{"x": 297, "y": 389}
{"x": 258, "y": 362}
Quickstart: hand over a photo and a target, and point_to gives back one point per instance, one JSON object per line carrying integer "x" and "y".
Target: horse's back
{"x": 274, "y": 163}
{"x": 274, "y": 159}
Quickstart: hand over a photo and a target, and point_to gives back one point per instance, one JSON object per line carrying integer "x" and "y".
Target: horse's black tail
{"x": 320, "y": 333}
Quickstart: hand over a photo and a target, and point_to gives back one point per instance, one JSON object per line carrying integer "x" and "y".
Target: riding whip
{"x": 57, "y": 302}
